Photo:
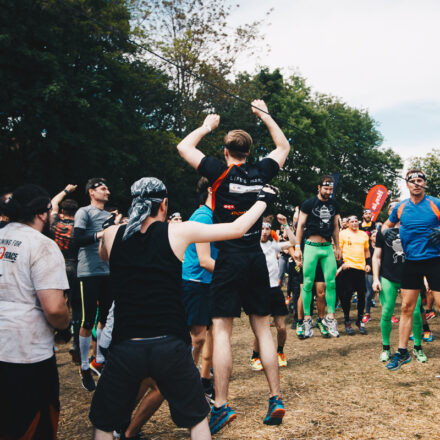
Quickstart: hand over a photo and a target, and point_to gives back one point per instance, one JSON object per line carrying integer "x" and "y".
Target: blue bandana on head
{"x": 145, "y": 191}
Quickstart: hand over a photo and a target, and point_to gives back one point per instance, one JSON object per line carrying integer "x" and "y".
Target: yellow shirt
{"x": 353, "y": 246}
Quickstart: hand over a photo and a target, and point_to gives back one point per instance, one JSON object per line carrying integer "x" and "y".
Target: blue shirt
{"x": 416, "y": 221}
{"x": 191, "y": 270}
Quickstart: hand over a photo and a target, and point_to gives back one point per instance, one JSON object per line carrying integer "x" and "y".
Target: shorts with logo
{"x": 277, "y": 302}
{"x": 94, "y": 291}
{"x": 168, "y": 361}
{"x": 197, "y": 301}
{"x": 414, "y": 271}
{"x": 240, "y": 279}
{"x": 30, "y": 400}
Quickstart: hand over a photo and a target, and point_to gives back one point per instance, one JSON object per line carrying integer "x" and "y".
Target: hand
{"x": 298, "y": 256}
{"x": 70, "y": 188}
{"x": 282, "y": 219}
{"x": 377, "y": 287}
{"x": 268, "y": 194}
{"x": 118, "y": 219}
{"x": 434, "y": 237}
{"x": 338, "y": 253}
{"x": 344, "y": 266}
{"x": 367, "y": 269}
{"x": 261, "y": 105}
{"x": 390, "y": 235}
{"x": 211, "y": 121}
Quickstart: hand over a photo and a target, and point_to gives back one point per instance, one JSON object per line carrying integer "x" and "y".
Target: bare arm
{"x": 204, "y": 255}
{"x": 388, "y": 224}
{"x": 60, "y": 196}
{"x": 376, "y": 260}
{"x": 282, "y": 220}
{"x": 106, "y": 243}
{"x": 335, "y": 236}
{"x": 299, "y": 234}
{"x": 54, "y": 307}
{"x": 187, "y": 147}
{"x": 183, "y": 234}
{"x": 282, "y": 149}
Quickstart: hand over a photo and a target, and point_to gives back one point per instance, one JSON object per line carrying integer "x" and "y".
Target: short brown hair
{"x": 239, "y": 143}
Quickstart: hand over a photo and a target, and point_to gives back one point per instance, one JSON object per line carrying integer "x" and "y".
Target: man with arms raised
{"x": 150, "y": 334}
{"x": 419, "y": 231}
{"x": 240, "y": 276}
{"x": 318, "y": 222}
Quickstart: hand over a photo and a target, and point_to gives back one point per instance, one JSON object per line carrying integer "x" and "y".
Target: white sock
{"x": 84, "y": 347}
{"x": 100, "y": 359}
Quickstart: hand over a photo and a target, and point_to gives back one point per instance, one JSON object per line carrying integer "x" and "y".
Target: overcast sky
{"x": 380, "y": 55}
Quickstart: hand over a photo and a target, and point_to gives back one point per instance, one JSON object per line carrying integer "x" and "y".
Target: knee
{"x": 330, "y": 285}
{"x": 407, "y": 308}
{"x": 198, "y": 342}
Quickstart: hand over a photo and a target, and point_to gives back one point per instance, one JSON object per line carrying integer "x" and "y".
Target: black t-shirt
{"x": 367, "y": 227}
{"x": 320, "y": 217}
{"x": 391, "y": 266}
{"x": 62, "y": 230}
{"x": 234, "y": 191}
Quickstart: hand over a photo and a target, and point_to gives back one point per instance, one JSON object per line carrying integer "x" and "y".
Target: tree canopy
{"x": 430, "y": 165}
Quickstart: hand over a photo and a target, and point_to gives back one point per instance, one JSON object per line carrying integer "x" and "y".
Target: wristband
{"x": 65, "y": 190}
{"x": 297, "y": 246}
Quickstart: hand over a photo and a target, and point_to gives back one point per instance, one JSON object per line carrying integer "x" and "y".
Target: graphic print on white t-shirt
{"x": 324, "y": 214}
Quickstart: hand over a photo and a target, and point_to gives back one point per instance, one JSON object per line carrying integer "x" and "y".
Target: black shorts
{"x": 414, "y": 271}
{"x": 277, "y": 302}
{"x": 30, "y": 394}
{"x": 94, "y": 291}
{"x": 240, "y": 279}
{"x": 319, "y": 274}
{"x": 168, "y": 360}
{"x": 197, "y": 302}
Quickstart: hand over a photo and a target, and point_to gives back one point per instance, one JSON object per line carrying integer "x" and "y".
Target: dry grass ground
{"x": 332, "y": 389}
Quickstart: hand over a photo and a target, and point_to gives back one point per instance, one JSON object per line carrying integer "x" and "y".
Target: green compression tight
{"x": 388, "y": 297}
{"x": 314, "y": 255}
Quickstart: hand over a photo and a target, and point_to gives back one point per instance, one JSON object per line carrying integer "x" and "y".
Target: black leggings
{"x": 94, "y": 290}
{"x": 349, "y": 281}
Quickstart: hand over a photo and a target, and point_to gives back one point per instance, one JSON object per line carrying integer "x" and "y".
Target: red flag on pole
{"x": 375, "y": 200}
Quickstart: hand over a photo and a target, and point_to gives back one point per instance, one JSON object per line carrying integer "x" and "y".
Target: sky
{"x": 378, "y": 55}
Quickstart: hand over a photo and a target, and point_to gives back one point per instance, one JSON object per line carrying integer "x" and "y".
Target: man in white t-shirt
{"x": 278, "y": 307}
{"x": 32, "y": 307}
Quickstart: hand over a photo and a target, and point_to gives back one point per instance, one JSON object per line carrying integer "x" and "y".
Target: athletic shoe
{"x": 209, "y": 393}
{"x": 420, "y": 356}
{"x": 385, "y": 355}
{"x": 430, "y": 315}
{"x": 76, "y": 356}
{"x": 355, "y": 298}
{"x": 308, "y": 328}
{"x": 220, "y": 417}
{"x": 87, "y": 380}
{"x": 361, "y": 327}
{"x": 256, "y": 364}
{"x": 398, "y": 360}
{"x": 282, "y": 361}
{"x": 394, "y": 320}
{"x": 366, "y": 318}
{"x": 411, "y": 337}
{"x": 427, "y": 336}
{"x": 96, "y": 367}
{"x": 373, "y": 303}
{"x": 332, "y": 326}
{"x": 349, "y": 329}
{"x": 300, "y": 330}
{"x": 322, "y": 329}
{"x": 275, "y": 413}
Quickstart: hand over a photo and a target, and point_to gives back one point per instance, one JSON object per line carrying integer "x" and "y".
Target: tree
{"x": 430, "y": 165}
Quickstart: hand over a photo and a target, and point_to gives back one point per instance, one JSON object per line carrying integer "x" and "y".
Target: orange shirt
{"x": 353, "y": 246}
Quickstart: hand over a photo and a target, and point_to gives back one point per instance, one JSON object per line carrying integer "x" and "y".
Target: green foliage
{"x": 430, "y": 165}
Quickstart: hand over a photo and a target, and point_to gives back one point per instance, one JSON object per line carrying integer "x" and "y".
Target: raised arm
{"x": 183, "y": 234}
{"x": 60, "y": 196}
{"x": 187, "y": 147}
{"x": 282, "y": 220}
{"x": 282, "y": 145}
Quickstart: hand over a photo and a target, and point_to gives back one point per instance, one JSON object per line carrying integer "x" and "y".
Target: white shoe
{"x": 332, "y": 326}
{"x": 308, "y": 328}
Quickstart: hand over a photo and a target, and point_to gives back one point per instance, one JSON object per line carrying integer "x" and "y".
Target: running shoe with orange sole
{"x": 96, "y": 367}
{"x": 220, "y": 417}
{"x": 282, "y": 361}
{"x": 256, "y": 364}
{"x": 276, "y": 411}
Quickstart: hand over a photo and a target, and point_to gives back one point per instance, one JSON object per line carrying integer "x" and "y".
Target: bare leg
{"x": 261, "y": 328}
{"x": 300, "y": 305}
{"x": 205, "y": 372}
{"x": 409, "y": 301}
{"x": 198, "y": 337}
{"x": 429, "y": 299}
{"x": 201, "y": 431}
{"x": 101, "y": 435}
{"x": 222, "y": 358}
{"x": 148, "y": 406}
{"x": 436, "y": 296}
{"x": 320, "y": 299}
{"x": 280, "y": 324}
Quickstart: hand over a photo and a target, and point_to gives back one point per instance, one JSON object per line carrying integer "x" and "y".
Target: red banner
{"x": 375, "y": 200}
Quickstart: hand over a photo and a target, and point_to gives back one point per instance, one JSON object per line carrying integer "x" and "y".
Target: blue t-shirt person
{"x": 416, "y": 221}
{"x": 191, "y": 269}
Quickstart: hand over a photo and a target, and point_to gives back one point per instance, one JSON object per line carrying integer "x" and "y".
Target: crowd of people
{"x": 147, "y": 301}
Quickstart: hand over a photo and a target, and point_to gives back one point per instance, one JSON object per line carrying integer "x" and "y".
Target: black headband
{"x": 417, "y": 175}
{"x": 95, "y": 185}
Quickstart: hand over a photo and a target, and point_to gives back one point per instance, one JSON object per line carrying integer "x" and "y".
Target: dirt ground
{"x": 332, "y": 389}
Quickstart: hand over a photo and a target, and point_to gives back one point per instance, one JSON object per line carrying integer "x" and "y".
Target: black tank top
{"x": 146, "y": 283}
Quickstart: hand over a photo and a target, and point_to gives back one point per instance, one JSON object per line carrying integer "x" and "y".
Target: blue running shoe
{"x": 398, "y": 360}
{"x": 276, "y": 411}
{"x": 427, "y": 336}
{"x": 220, "y": 417}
